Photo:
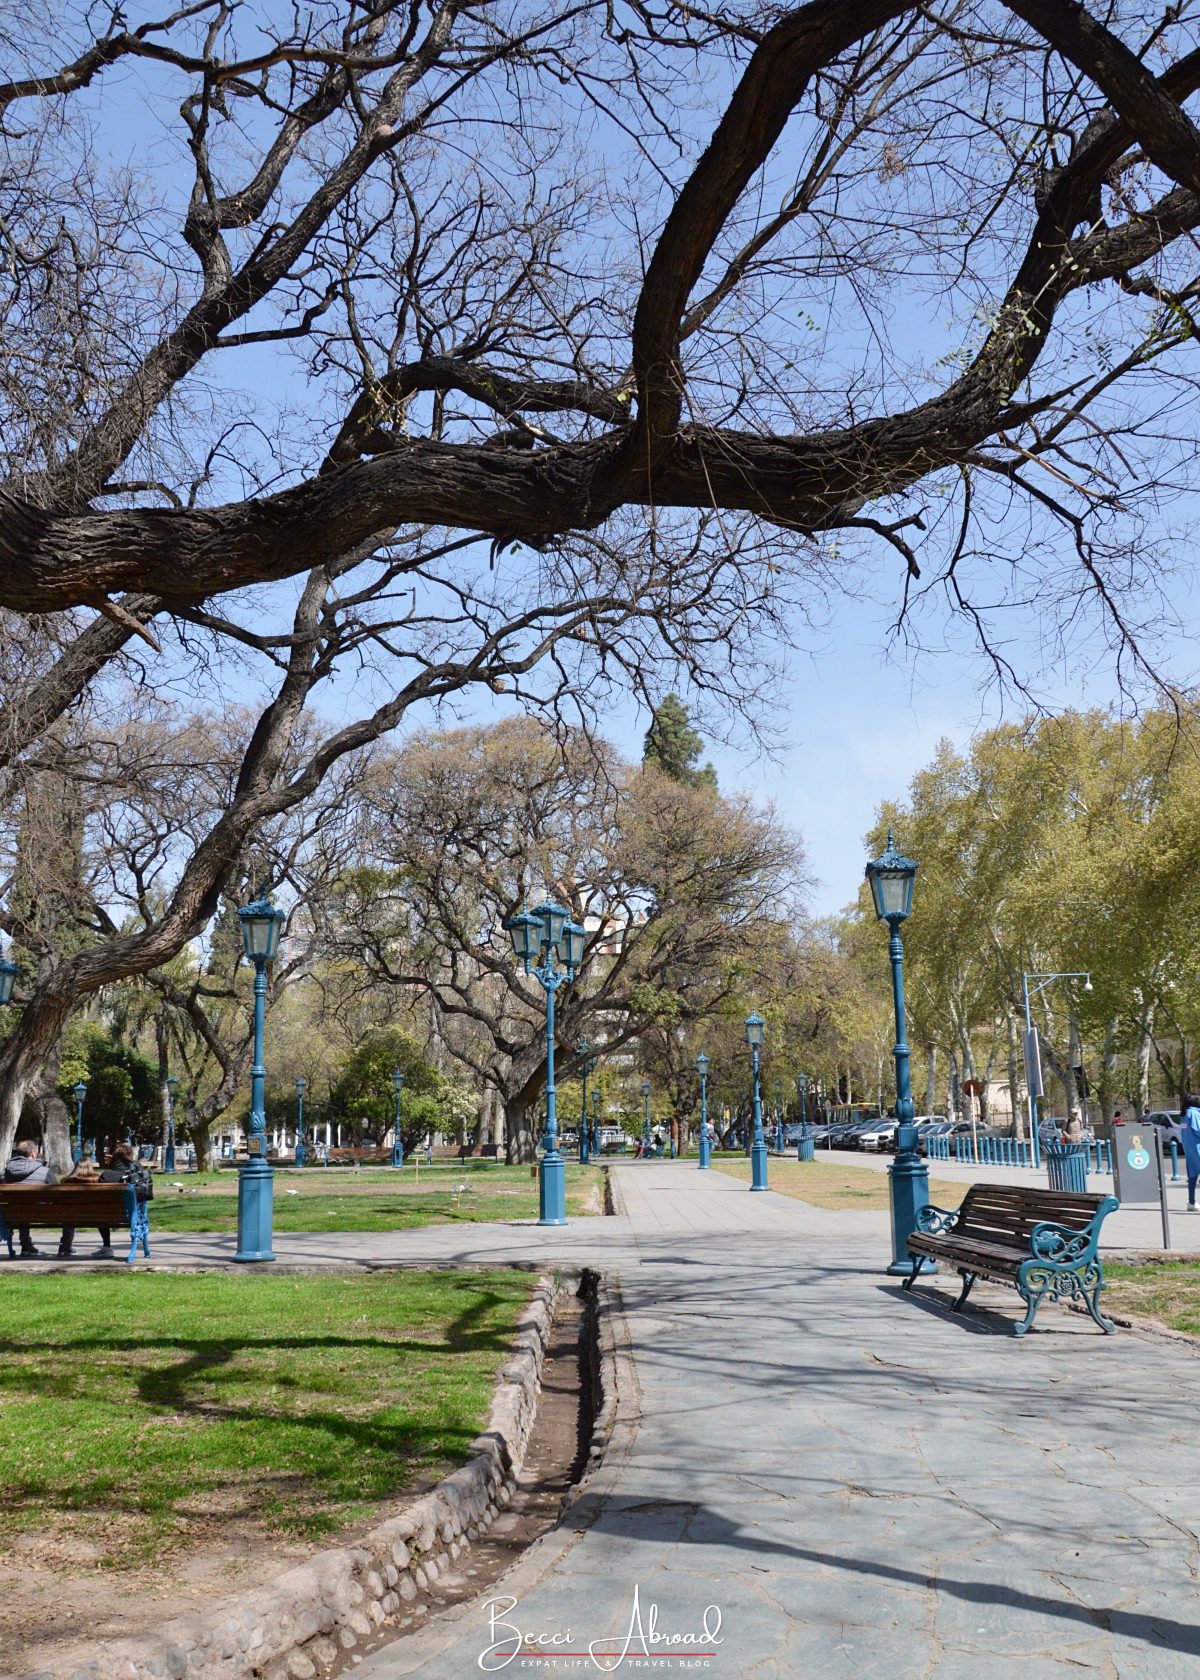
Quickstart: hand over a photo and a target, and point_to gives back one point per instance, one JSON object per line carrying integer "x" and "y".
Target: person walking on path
{"x": 1189, "y": 1127}
{"x": 27, "y": 1167}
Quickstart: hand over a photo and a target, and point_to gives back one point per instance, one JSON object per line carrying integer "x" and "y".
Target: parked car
{"x": 878, "y": 1136}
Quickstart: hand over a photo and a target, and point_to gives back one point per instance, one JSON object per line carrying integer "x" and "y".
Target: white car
{"x": 879, "y": 1137}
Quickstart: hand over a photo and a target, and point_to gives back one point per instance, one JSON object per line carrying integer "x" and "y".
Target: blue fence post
{"x": 1174, "y": 1161}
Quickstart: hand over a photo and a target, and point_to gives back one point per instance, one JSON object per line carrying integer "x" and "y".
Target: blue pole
{"x": 1035, "y": 1148}
{"x": 1174, "y": 1161}
{"x": 169, "y": 1152}
{"x": 645, "y": 1119}
{"x": 77, "y": 1152}
{"x": 596, "y": 1124}
{"x": 758, "y": 1149}
{"x": 300, "y": 1155}
{"x": 397, "y": 1140}
{"x": 256, "y": 1178}
{"x": 704, "y": 1150}
{"x": 552, "y": 1194}
{"x": 908, "y": 1172}
{"x": 584, "y": 1152}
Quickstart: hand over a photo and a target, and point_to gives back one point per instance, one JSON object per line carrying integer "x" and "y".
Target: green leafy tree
{"x": 673, "y": 746}
{"x": 362, "y": 1097}
{"x": 123, "y": 1091}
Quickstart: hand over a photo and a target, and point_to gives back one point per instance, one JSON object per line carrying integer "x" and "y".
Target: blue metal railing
{"x": 1008, "y": 1152}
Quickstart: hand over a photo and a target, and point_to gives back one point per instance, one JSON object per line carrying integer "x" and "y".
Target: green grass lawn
{"x": 1167, "y": 1292}
{"x": 831, "y": 1185}
{"x": 147, "y": 1412}
{"x": 370, "y": 1201}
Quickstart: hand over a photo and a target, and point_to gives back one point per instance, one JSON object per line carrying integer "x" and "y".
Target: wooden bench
{"x": 1044, "y": 1242}
{"x": 75, "y": 1204}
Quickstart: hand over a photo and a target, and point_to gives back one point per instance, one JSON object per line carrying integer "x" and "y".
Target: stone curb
{"x": 299, "y": 1625}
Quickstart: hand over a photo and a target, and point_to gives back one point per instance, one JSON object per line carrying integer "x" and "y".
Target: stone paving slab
{"x": 864, "y": 1483}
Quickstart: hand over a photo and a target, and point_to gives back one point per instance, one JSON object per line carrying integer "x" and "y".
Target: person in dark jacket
{"x": 120, "y": 1164}
{"x": 27, "y": 1167}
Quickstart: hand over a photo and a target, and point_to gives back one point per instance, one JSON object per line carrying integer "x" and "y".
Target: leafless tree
{"x": 678, "y": 888}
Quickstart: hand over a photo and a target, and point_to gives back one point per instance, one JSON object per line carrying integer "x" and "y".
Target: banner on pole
{"x": 1033, "y": 1063}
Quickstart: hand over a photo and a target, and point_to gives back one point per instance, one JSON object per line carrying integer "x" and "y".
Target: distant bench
{"x": 1043, "y": 1242}
{"x": 74, "y": 1204}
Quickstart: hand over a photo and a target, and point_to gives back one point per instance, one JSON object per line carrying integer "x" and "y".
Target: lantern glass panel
{"x": 570, "y": 945}
{"x": 80, "y": 1091}
{"x": 702, "y": 1064}
{"x": 397, "y": 1081}
{"x": 525, "y": 931}
{"x": 261, "y": 922}
{"x": 554, "y": 919}
{"x": 755, "y": 1027}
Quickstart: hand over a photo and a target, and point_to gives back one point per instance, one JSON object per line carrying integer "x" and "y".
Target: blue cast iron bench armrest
{"x": 1043, "y": 1242}
{"x": 934, "y": 1220}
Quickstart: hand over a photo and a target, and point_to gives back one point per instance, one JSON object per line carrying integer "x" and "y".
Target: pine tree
{"x": 674, "y": 746}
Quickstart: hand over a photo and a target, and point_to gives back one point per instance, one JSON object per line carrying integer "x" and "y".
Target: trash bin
{"x": 806, "y": 1148}
{"x": 1066, "y": 1164}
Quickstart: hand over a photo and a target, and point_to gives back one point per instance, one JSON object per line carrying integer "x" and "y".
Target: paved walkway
{"x": 864, "y": 1485}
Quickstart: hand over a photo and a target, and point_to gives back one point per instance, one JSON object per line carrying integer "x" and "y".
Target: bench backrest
{"x": 63, "y": 1204}
{"x": 1007, "y": 1213}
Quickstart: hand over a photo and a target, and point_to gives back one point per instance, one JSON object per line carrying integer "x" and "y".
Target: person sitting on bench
{"x": 27, "y": 1167}
{"x": 120, "y": 1165}
{"x": 83, "y": 1172}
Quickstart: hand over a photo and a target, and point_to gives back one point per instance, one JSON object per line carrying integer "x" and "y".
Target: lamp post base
{"x": 552, "y": 1189}
{"x": 909, "y": 1176}
{"x": 256, "y": 1195}
{"x": 758, "y": 1167}
{"x": 169, "y": 1158}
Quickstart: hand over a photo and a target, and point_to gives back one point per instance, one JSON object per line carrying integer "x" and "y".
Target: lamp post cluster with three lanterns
{"x": 543, "y": 939}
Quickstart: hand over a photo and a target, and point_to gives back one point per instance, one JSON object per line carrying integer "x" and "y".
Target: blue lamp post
{"x": 300, "y": 1155}
{"x": 755, "y": 1028}
{"x": 8, "y": 979}
{"x": 261, "y": 923}
{"x": 169, "y": 1151}
{"x": 891, "y": 879}
{"x": 646, "y": 1118}
{"x": 583, "y": 1048}
{"x": 779, "y": 1116}
{"x": 79, "y": 1092}
{"x": 596, "y": 1124}
{"x": 702, "y": 1070}
{"x": 542, "y": 939}
{"x": 397, "y": 1140}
